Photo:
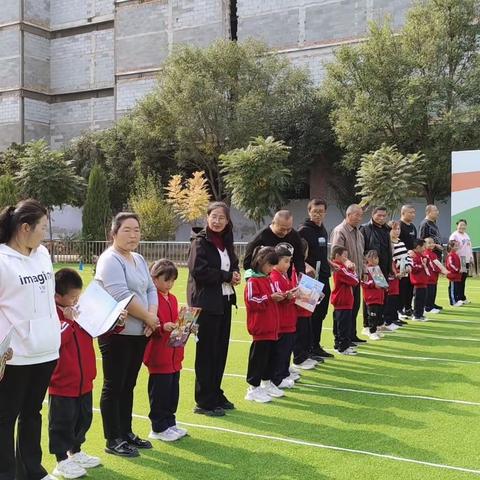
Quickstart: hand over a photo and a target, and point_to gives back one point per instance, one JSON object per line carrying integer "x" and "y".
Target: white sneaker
{"x": 69, "y": 469}
{"x": 272, "y": 389}
{"x": 257, "y": 394}
{"x": 420, "y": 319}
{"x": 286, "y": 383}
{"x": 294, "y": 376}
{"x": 84, "y": 460}
{"x": 348, "y": 351}
{"x": 458, "y": 304}
{"x": 181, "y": 431}
{"x": 49, "y": 477}
{"x": 294, "y": 370}
{"x": 374, "y": 336}
{"x": 434, "y": 310}
{"x": 366, "y": 331}
{"x": 466, "y": 302}
{"x": 168, "y": 435}
{"x": 392, "y": 327}
{"x": 308, "y": 364}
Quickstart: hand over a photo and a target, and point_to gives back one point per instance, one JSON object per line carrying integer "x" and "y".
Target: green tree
{"x": 156, "y": 215}
{"x": 256, "y": 176}
{"x": 416, "y": 88}
{"x": 9, "y": 194}
{"x": 210, "y": 101}
{"x": 96, "y": 210}
{"x": 10, "y": 159}
{"x": 388, "y": 178}
{"x": 47, "y": 177}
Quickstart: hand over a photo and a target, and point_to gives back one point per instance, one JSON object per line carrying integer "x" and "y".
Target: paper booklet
{"x": 378, "y": 276}
{"x": 97, "y": 311}
{"x": 4, "y": 346}
{"x": 309, "y": 292}
{"x": 403, "y": 266}
{"x": 186, "y": 324}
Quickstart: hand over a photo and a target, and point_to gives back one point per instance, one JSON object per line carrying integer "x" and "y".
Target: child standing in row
{"x": 454, "y": 267}
{"x": 164, "y": 362}
{"x": 434, "y": 272}
{"x": 342, "y": 300}
{"x": 419, "y": 279}
{"x": 261, "y": 301}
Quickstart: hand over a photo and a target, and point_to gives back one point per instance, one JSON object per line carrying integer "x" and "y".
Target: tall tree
{"x": 9, "y": 194}
{"x": 257, "y": 176}
{"x": 416, "y": 88}
{"x": 96, "y": 210}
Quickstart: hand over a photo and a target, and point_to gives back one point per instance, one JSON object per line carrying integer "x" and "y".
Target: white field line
{"x": 439, "y": 337}
{"x": 366, "y": 392}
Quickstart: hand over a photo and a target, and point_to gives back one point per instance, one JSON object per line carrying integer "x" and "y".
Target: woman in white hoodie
{"x": 27, "y": 308}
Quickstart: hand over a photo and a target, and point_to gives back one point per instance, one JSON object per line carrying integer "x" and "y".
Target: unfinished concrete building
{"x": 71, "y": 65}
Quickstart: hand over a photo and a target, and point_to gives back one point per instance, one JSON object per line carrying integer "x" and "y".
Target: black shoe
{"x": 135, "y": 441}
{"x": 400, "y": 323}
{"x": 216, "y": 412}
{"x": 121, "y": 448}
{"x": 320, "y": 352}
{"x": 227, "y": 405}
{"x": 359, "y": 340}
{"x": 438, "y": 307}
{"x": 316, "y": 357}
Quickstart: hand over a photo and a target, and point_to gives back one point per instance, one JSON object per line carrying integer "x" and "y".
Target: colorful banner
{"x": 466, "y": 192}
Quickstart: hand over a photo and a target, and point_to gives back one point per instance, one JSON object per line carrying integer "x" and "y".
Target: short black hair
{"x": 450, "y": 245}
{"x": 317, "y": 202}
{"x": 461, "y": 220}
{"x": 418, "y": 242}
{"x": 337, "y": 250}
{"x": 262, "y": 256}
{"x": 380, "y": 208}
{"x": 165, "y": 268}
{"x": 67, "y": 279}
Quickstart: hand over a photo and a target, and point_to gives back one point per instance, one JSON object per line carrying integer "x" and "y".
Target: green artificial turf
{"x": 347, "y": 403}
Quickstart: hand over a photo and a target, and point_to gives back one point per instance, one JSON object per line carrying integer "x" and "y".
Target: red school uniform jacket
{"x": 159, "y": 357}
{"x": 371, "y": 294}
{"x": 76, "y": 366}
{"x": 287, "y": 309}
{"x": 393, "y": 282}
{"x": 262, "y": 311}
{"x": 420, "y": 272}
{"x": 434, "y": 271}
{"x": 342, "y": 295}
{"x": 454, "y": 267}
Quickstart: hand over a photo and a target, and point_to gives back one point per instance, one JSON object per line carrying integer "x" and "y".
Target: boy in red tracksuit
{"x": 342, "y": 300}
{"x": 373, "y": 296}
{"x": 434, "y": 272}
{"x": 454, "y": 267}
{"x": 163, "y": 361}
{"x": 261, "y": 301}
{"x": 287, "y": 318}
{"x": 419, "y": 279}
{"x": 71, "y": 385}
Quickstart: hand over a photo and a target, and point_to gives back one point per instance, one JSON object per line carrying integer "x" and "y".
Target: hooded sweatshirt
{"x": 27, "y": 303}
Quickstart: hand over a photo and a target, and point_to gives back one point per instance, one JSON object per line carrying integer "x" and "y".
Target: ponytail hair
{"x": 12, "y": 218}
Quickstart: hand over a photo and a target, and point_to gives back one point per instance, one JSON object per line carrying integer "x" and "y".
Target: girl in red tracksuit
{"x": 287, "y": 318}
{"x": 342, "y": 300}
{"x": 434, "y": 272}
{"x": 71, "y": 384}
{"x": 373, "y": 296}
{"x": 164, "y": 362}
{"x": 392, "y": 304}
{"x": 454, "y": 267}
{"x": 419, "y": 279}
{"x": 261, "y": 301}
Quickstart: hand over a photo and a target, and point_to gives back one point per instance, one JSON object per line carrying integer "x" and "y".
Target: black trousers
{"x": 22, "y": 391}
{"x": 261, "y": 361}
{"x": 354, "y": 313}
{"x": 374, "y": 317}
{"x": 454, "y": 289}
{"x": 406, "y": 293}
{"x": 211, "y": 356}
{"x": 283, "y": 353}
{"x": 122, "y": 357}
{"x": 392, "y": 305}
{"x": 342, "y": 322}
{"x": 69, "y": 419}
{"x": 318, "y": 316}
{"x": 419, "y": 302}
{"x": 461, "y": 287}
{"x": 431, "y": 297}
{"x": 163, "y": 393}
{"x": 303, "y": 340}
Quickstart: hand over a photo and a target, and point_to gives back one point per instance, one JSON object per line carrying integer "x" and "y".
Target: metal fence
{"x": 73, "y": 251}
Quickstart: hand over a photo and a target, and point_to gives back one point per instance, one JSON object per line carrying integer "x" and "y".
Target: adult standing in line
{"x": 314, "y": 232}
{"x": 465, "y": 251}
{"x": 123, "y": 272}
{"x": 213, "y": 274}
{"x": 280, "y": 231}
{"x": 408, "y": 235}
{"x": 27, "y": 302}
{"x": 348, "y": 235}
{"x": 429, "y": 229}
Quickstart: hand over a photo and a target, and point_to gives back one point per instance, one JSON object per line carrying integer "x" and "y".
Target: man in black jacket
{"x": 316, "y": 236}
{"x": 408, "y": 235}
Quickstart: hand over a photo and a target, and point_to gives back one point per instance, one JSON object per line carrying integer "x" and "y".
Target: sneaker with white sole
{"x": 366, "y": 331}
{"x": 293, "y": 369}
{"x": 458, "y": 304}
{"x": 257, "y": 394}
{"x": 69, "y": 469}
{"x": 374, "y": 336}
{"x": 84, "y": 460}
{"x": 308, "y": 364}
{"x": 392, "y": 327}
{"x": 294, "y": 376}
{"x": 434, "y": 311}
{"x": 286, "y": 383}
{"x": 466, "y": 302}
{"x": 272, "y": 389}
{"x": 347, "y": 351}
{"x": 420, "y": 319}
{"x": 181, "y": 431}
{"x": 49, "y": 477}
{"x": 168, "y": 435}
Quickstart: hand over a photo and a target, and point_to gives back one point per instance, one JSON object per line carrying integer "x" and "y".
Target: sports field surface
{"x": 407, "y": 407}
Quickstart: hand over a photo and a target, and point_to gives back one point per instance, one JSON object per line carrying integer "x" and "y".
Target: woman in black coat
{"x": 213, "y": 272}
